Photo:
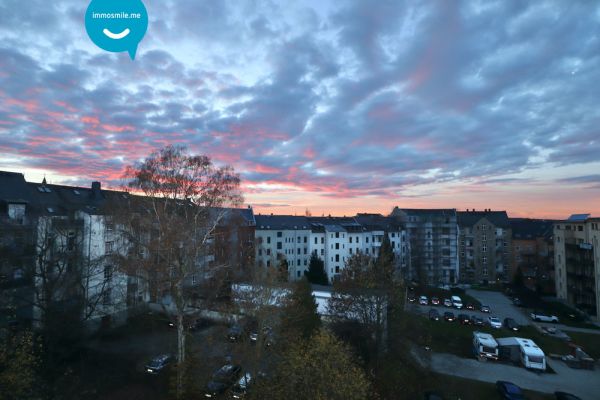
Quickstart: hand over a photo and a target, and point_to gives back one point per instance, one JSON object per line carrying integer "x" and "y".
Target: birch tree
{"x": 169, "y": 224}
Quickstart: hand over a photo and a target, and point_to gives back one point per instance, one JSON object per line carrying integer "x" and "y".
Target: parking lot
{"x": 499, "y": 305}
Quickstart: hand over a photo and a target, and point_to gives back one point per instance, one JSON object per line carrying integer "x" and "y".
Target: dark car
{"x": 240, "y": 389}
{"x": 511, "y": 324}
{"x": 435, "y": 301}
{"x": 224, "y": 378}
{"x": 434, "y": 315}
{"x": 449, "y": 316}
{"x": 565, "y": 396}
{"x": 517, "y": 302}
{"x": 485, "y": 309}
{"x": 235, "y": 333}
{"x": 199, "y": 323}
{"x": 470, "y": 306}
{"x": 158, "y": 364}
{"x": 477, "y": 321}
{"x": 509, "y": 391}
{"x": 464, "y": 319}
{"x": 412, "y": 298}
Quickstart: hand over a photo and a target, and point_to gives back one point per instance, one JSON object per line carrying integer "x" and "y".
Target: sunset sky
{"x": 333, "y": 106}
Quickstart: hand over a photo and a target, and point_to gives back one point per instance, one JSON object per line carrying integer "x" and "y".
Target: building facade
{"x": 433, "y": 237}
{"x": 577, "y": 262}
{"x": 333, "y": 239}
{"x": 532, "y": 252}
{"x": 484, "y": 246}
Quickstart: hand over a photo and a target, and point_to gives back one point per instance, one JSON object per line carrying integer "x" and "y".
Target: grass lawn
{"x": 589, "y": 341}
{"x": 454, "y": 338}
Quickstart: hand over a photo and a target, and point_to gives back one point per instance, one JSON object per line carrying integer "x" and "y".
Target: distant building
{"x": 333, "y": 239}
{"x": 433, "y": 236}
{"x": 577, "y": 262}
{"x": 533, "y": 253}
{"x": 484, "y": 246}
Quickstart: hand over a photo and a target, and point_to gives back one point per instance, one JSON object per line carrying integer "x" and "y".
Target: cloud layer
{"x": 347, "y": 100}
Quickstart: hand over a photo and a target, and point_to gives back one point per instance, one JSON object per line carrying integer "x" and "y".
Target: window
{"x": 260, "y": 252}
{"x": 337, "y": 269}
{"x": 279, "y": 234}
{"x": 16, "y": 212}
{"x": 337, "y": 246}
{"x": 367, "y": 239}
{"x": 305, "y": 262}
{"x": 108, "y": 247}
{"x": 350, "y": 250}
{"x": 279, "y": 246}
{"x": 298, "y": 239}
{"x": 268, "y": 263}
{"x": 315, "y": 240}
{"x": 350, "y": 239}
{"x": 579, "y": 228}
{"x": 268, "y": 252}
{"x": 323, "y": 240}
{"x": 298, "y": 250}
{"x": 322, "y": 252}
{"x": 305, "y": 239}
{"x": 337, "y": 235}
{"x": 110, "y": 226}
{"x": 305, "y": 250}
{"x": 268, "y": 239}
{"x": 298, "y": 274}
{"x": 106, "y": 296}
{"x": 484, "y": 260}
{"x": 337, "y": 258}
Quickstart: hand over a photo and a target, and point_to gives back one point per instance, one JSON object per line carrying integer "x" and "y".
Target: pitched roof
{"x": 527, "y": 228}
{"x": 470, "y": 218}
{"x": 281, "y": 222}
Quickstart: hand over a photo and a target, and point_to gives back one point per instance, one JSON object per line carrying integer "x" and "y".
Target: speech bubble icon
{"x": 116, "y": 25}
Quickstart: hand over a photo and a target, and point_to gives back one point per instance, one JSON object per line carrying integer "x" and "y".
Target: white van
{"x": 457, "y": 302}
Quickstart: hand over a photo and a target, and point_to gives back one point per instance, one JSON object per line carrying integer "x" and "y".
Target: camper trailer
{"x": 523, "y": 351}
{"x": 485, "y": 346}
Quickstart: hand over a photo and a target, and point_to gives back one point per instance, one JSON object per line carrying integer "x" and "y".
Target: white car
{"x": 541, "y": 317}
{"x": 457, "y": 302}
{"x": 423, "y": 300}
{"x": 495, "y": 322}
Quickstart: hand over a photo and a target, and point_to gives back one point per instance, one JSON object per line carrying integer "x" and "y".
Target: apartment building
{"x": 484, "y": 246}
{"x": 433, "y": 237}
{"x": 577, "y": 262}
{"x": 57, "y": 243}
{"x": 333, "y": 239}
{"x": 532, "y": 252}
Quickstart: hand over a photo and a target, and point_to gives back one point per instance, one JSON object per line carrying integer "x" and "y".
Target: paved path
{"x": 583, "y": 383}
{"x": 570, "y": 328}
{"x": 500, "y": 305}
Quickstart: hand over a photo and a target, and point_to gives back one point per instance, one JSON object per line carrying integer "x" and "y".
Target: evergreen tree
{"x": 316, "y": 271}
{"x": 299, "y": 316}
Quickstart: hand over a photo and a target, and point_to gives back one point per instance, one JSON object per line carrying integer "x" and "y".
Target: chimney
{"x": 96, "y": 186}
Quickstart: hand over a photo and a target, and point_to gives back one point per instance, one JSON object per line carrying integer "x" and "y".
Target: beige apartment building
{"x": 577, "y": 262}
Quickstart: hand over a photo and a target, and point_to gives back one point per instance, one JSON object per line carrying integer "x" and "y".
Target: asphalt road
{"x": 500, "y": 305}
{"x": 583, "y": 383}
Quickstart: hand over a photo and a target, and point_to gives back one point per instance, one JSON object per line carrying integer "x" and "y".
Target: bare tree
{"x": 169, "y": 231}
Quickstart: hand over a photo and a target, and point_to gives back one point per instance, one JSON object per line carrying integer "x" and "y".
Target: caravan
{"x": 524, "y": 351}
{"x": 485, "y": 346}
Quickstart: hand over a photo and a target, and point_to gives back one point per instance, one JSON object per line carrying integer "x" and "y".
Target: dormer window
{"x": 50, "y": 209}
{"x": 77, "y": 192}
{"x": 44, "y": 189}
{"x": 16, "y": 211}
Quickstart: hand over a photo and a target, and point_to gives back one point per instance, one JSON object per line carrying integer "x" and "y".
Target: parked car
{"x": 470, "y": 306}
{"x": 485, "y": 309}
{"x": 235, "y": 333}
{"x": 565, "y": 396}
{"x": 477, "y": 321}
{"x": 158, "y": 364}
{"x": 543, "y": 317}
{"x": 517, "y": 302}
{"x": 199, "y": 323}
{"x": 509, "y": 391}
{"x": 464, "y": 319}
{"x": 495, "y": 322}
{"x": 435, "y": 301}
{"x": 434, "y": 315}
{"x": 412, "y": 298}
{"x": 240, "y": 389}
{"x": 449, "y": 316}
{"x": 457, "y": 302}
{"x": 423, "y": 300}
{"x": 511, "y": 324}
{"x": 448, "y": 302}
{"x": 223, "y": 378}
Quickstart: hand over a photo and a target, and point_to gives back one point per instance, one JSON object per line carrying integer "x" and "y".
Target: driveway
{"x": 500, "y": 305}
{"x": 583, "y": 383}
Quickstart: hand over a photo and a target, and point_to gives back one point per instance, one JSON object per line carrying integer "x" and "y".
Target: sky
{"x": 336, "y": 107}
